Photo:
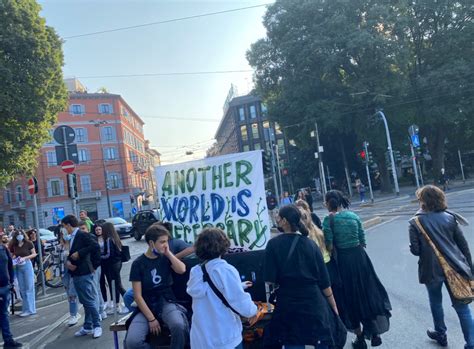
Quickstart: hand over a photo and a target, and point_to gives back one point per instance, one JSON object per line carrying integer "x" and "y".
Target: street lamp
{"x": 97, "y": 124}
{"x": 390, "y": 151}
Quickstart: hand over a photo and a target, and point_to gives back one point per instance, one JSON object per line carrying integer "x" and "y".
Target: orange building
{"x": 112, "y": 160}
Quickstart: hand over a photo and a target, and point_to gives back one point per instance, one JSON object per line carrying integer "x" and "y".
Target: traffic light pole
{"x": 390, "y": 151}
{"x": 70, "y": 180}
{"x": 415, "y": 169}
{"x": 275, "y": 183}
{"x": 369, "y": 181}
{"x": 40, "y": 252}
{"x": 277, "y": 157}
{"x": 462, "y": 166}
{"x": 320, "y": 160}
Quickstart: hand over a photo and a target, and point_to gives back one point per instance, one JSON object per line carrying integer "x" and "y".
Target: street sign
{"x": 415, "y": 140}
{"x": 72, "y": 153}
{"x": 32, "y": 185}
{"x": 68, "y": 166}
{"x": 64, "y": 134}
{"x": 134, "y": 210}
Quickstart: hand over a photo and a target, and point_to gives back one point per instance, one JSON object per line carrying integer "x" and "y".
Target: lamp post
{"x": 97, "y": 124}
{"x": 390, "y": 151}
{"x": 318, "y": 155}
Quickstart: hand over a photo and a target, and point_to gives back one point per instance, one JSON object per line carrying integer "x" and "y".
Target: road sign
{"x": 64, "y": 134}
{"x": 415, "y": 140}
{"x": 32, "y": 185}
{"x": 68, "y": 166}
{"x": 134, "y": 210}
{"x": 72, "y": 153}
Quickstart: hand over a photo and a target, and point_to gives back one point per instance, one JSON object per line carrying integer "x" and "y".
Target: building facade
{"x": 113, "y": 166}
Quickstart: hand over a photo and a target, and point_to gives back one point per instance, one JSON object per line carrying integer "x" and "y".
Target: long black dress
{"x": 302, "y": 314}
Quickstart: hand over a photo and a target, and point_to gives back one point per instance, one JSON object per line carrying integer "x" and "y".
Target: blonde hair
{"x": 315, "y": 233}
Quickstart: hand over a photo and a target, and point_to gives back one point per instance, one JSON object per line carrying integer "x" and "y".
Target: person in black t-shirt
{"x": 151, "y": 281}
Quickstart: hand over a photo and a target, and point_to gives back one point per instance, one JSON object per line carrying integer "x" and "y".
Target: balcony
{"x": 18, "y": 205}
{"x": 96, "y": 195}
{"x": 138, "y": 167}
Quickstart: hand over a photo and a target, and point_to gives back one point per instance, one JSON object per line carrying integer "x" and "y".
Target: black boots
{"x": 441, "y": 338}
{"x": 376, "y": 341}
{"x": 359, "y": 343}
{"x": 12, "y": 344}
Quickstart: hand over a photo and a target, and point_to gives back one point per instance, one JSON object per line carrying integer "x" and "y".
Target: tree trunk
{"x": 385, "y": 185}
{"x": 346, "y": 168}
{"x": 436, "y": 146}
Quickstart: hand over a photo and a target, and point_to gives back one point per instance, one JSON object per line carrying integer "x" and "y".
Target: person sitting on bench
{"x": 151, "y": 281}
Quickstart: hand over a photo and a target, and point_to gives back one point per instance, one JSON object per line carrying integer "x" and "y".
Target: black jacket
{"x": 87, "y": 247}
{"x": 111, "y": 254}
{"x": 444, "y": 231}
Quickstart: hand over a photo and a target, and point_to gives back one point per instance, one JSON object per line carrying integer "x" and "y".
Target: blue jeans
{"x": 128, "y": 299}
{"x": 463, "y": 311}
{"x": 100, "y": 300}
{"x": 26, "y": 283}
{"x": 87, "y": 293}
{"x": 71, "y": 293}
{"x": 4, "y": 323}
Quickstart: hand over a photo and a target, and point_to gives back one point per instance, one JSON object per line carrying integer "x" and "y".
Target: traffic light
{"x": 72, "y": 189}
{"x": 363, "y": 155}
{"x": 397, "y": 156}
{"x": 267, "y": 162}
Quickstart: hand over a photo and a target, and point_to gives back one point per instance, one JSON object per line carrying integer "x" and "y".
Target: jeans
{"x": 173, "y": 315}
{"x": 26, "y": 283}
{"x": 87, "y": 293}
{"x": 99, "y": 298}
{"x": 4, "y": 323}
{"x": 71, "y": 293}
{"x": 128, "y": 299}
{"x": 463, "y": 311}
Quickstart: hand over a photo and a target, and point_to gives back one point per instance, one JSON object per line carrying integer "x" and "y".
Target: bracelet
{"x": 329, "y": 296}
{"x": 151, "y": 320}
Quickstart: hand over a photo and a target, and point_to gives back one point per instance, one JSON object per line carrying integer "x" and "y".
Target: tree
{"x": 32, "y": 90}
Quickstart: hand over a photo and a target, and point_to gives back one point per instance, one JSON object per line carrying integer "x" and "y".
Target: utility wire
{"x": 164, "y": 21}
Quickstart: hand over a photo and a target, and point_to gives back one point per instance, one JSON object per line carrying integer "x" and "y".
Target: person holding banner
{"x": 307, "y": 314}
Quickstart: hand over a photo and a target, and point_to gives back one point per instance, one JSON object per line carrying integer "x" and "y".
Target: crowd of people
{"x": 319, "y": 275}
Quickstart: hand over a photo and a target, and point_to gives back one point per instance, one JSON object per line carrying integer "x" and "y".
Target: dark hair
{"x": 71, "y": 220}
{"x": 168, "y": 226}
{"x": 211, "y": 243}
{"x": 155, "y": 231}
{"x": 14, "y": 241}
{"x": 83, "y": 211}
{"x": 335, "y": 199}
{"x": 293, "y": 216}
{"x": 81, "y": 223}
{"x": 432, "y": 198}
{"x": 109, "y": 232}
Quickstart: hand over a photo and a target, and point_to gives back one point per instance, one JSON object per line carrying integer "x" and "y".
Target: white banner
{"x": 225, "y": 191}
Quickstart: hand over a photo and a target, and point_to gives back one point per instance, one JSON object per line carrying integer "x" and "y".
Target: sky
{"x": 212, "y": 43}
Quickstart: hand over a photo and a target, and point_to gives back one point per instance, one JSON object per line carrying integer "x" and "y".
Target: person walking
{"x": 6, "y": 286}
{"x": 307, "y": 314}
{"x": 80, "y": 267}
{"x": 444, "y": 180}
{"x": 286, "y": 199}
{"x": 366, "y": 302}
{"x": 24, "y": 252}
{"x": 84, "y": 218}
{"x": 272, "y": 204}
{"x": 111, "y": 266}
{"x": 216, "y": 325}
{"x": 442, "y": 228}
{"x": 302, "y": 204}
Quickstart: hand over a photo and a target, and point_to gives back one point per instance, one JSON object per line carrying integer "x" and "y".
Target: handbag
{"x": 125, "y": 253}
{"x": 460, "y": 287}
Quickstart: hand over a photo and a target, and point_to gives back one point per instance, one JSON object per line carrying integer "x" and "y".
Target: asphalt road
{"x": 387, "y": 247}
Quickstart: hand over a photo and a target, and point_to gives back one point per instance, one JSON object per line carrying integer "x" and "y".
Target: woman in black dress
{"x": 305, "y": 311}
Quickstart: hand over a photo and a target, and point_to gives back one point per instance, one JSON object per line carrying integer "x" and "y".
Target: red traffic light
{"x": 362, "y": 154}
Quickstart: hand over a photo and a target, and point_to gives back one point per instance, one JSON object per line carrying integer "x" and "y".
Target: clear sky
{"x": 212, "y": 43}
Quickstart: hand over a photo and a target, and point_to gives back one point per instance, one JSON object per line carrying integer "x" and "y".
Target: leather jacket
{"x": 444, "y": 231}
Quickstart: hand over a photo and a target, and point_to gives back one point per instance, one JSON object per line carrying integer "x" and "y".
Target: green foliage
{"x": 32, "y": 91}
{"x": 336, "y": 62}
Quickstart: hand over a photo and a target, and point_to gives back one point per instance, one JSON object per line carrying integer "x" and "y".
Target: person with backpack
{"x": 219, "y": 299}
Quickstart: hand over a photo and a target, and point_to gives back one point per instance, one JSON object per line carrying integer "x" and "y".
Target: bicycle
{"x": 53, "y": 266}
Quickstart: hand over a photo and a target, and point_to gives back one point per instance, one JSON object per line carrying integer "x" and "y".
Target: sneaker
{"x": 441, "y": 338}
{"x": 25, "y": 314}
{"x": 103, "y": 315}
{"x": 74, "y": 319}
{"x": 12, "y": 344}
{"x": 83, "y": 332}
{"x": 376, "y": 341}
{"x": 97, "y": 332}
{"x": 359, "y": 343}
{"x": 122, "y": 309}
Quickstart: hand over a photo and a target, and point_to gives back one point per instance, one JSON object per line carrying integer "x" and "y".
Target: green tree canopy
{"x": 32, "y": 90}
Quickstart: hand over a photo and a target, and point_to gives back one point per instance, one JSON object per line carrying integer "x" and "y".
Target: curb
{"x": 43, "y": 302}
{"x": 372, "y": 222}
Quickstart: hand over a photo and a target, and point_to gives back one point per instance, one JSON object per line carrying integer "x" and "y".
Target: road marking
{"x": 52, "y": 305}
{"x": 383, "y": 223}
{"x": 36, "y": 343}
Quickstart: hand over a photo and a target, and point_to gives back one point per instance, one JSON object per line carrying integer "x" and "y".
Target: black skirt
{"x": 365, "y": 299}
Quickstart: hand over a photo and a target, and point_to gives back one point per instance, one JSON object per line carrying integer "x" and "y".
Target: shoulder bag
{"x": 460, "y": 287}
{"x": 125, "y": 253}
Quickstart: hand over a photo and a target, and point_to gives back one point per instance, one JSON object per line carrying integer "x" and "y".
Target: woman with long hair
{"x": 307, "y": 314}
{"x": 24, "y": 252}
{"x": 366, "y": 303}
{"x": 442, "y": 227}
{"x": 112, "y": 265}
{"x": 307, "y": 208}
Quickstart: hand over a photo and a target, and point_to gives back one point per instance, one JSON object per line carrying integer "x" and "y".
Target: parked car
{"x": 122, "y": 227}
{"x": 50, "y": 240}
{"x": 142, "y": 220}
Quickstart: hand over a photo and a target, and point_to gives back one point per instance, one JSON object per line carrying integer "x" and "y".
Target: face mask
{"x": 155, "y": 252}
{"x": 67, "y": 237}
{"x": 20, "y": 237}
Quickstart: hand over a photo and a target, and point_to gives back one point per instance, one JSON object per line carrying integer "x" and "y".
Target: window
{"x": 7, "y": 199}
{"x": 125, "y": 112}
{"x": 264, "y": 109}
{"x": 253, "y": 112}
{"x": 19, "y": 193}
{"x": 241, "y": 114}
{"x": 108, "y": 133}
{"x": 246, "y": 148}
{"x": 257, "y": 146}
{"x": 84, "y": 155}
{"x": 51, "y": 138}
{"x": 114, "y": 181}
{"x": 266, "y": 124}
{"x": 85, "y": 183}
{"x": 110, "y": 153}
{"x": 243, "y": 133}
{"x": 133, "y": 157}
{"x": 255, "y": 131}
{"x": 281, "y": 146}
{"x": 77, "y": 109}
{"x": 81, "y": 135}
{"x": 105, "y": 108}
{"x": 55, "y": 187}
{"x": 51, "y": 158}
{"x": 278, "y": 129}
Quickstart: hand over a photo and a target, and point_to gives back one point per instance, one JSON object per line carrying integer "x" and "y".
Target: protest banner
{"x": 227, "y": 192}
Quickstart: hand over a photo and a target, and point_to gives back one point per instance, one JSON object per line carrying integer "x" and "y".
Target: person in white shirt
{"x": 216, "y": 325}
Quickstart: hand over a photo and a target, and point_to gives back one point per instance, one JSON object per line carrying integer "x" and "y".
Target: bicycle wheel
{"x": 52, "y": 276}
